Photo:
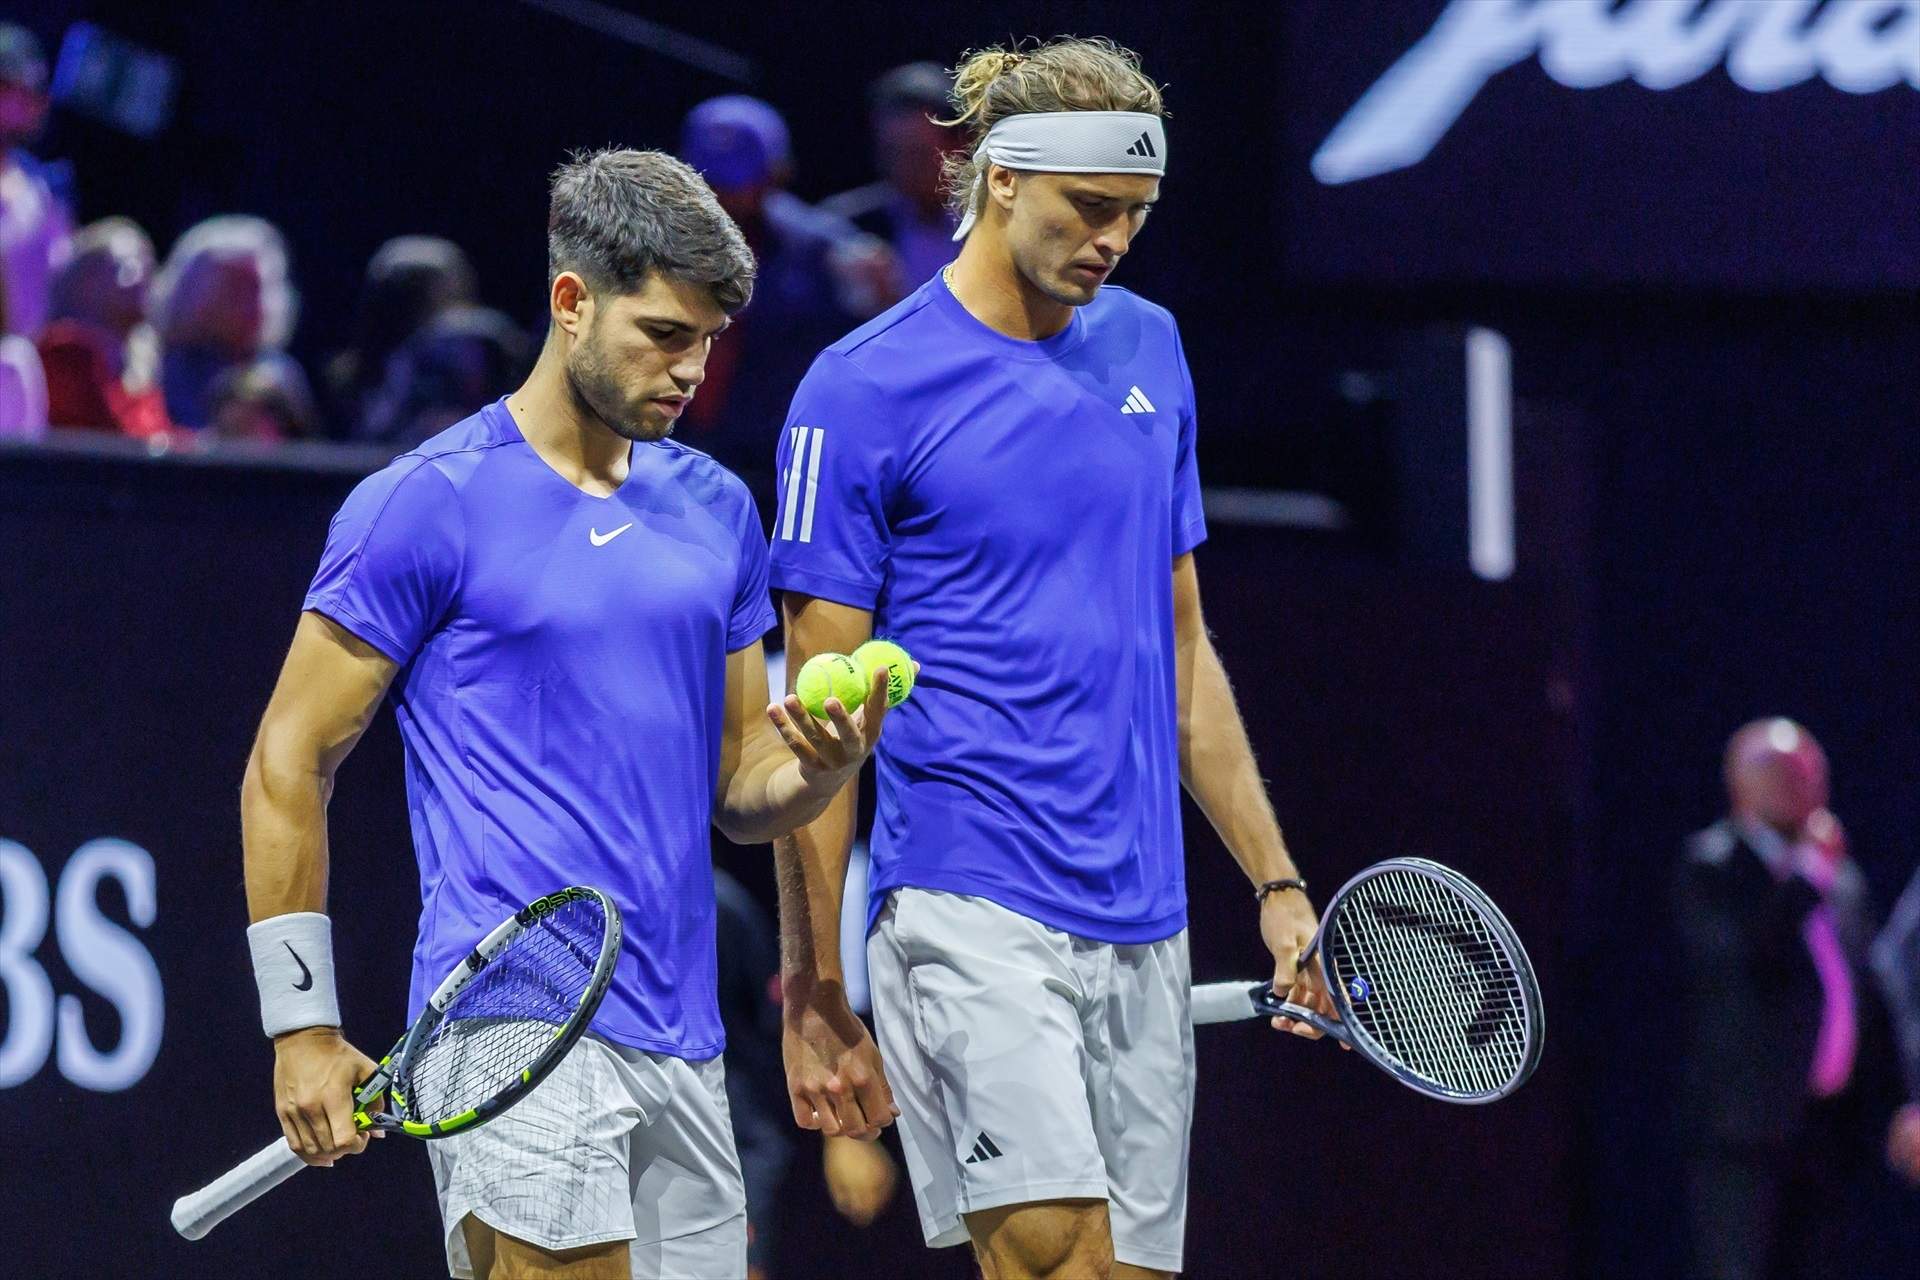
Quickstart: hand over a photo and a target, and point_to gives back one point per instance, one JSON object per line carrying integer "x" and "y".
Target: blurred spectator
{"x": 34, "y": 224}
{"x": 102, "y": 357}
{"x": 409, "y": 281}
{"x": 906, "y": 207}
{"x": 1789, "y": 1081}
{"x": 740, "y": 145}
{"x": 818, "y": 276}
{"x": 267, "y": 402}
{"x": 461, "y": 359}
{"x": 23, "y": 390}
{"x": 222, "y": 301}
{"x": 1896, "y": 962}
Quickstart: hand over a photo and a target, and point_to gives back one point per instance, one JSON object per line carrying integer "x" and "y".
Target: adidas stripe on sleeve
{"x": 835, "y": 463}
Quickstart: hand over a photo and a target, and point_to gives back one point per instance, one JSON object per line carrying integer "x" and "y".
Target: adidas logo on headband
{"x": 1068, "y": 142}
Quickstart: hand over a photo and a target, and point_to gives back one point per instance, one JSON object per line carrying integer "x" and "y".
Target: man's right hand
{"x": 834, "y": 1077}
{"x": 315, "y": 1073}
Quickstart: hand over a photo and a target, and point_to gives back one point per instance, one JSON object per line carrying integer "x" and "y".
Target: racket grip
{"x": 1224, "y": 1002}
{"x": 196, "y": 1214}
{"x": 1239, "y": 1001}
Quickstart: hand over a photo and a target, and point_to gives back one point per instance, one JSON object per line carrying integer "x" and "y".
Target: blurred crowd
{"x": 103, "y": 333}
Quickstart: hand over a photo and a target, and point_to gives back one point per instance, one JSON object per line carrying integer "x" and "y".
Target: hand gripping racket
{"x": 501, "y": 1021}
{"x": 1429, "y": 980}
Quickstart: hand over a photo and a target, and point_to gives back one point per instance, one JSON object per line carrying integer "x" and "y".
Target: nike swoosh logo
{"x": 306, "y": 974}
{"x": 600, "y": 539}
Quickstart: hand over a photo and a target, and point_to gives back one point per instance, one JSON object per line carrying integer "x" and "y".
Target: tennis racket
{"x": 1429, "y": 981}
{"x": 501, "y": 1021}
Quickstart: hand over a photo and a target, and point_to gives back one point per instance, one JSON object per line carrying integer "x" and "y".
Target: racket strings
{"x": 1457, "y": 1008}
{"x": 1456, "y": 974}
{"x": 507, "y": 1017}
{"x": 1431, "y": 982}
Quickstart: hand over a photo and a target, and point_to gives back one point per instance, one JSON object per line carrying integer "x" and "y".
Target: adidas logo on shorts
{"x": 983, "y": 1150}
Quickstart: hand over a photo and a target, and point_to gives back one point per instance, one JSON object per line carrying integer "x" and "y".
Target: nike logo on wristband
{"x": 306, "y": 974}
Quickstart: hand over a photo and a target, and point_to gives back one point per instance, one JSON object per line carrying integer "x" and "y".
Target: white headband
{"x": 1070, "y": 142}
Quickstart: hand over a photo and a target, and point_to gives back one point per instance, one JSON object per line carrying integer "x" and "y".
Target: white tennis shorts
{"x": 616, "y": 1144}
{"x": 1031, "y": 1065}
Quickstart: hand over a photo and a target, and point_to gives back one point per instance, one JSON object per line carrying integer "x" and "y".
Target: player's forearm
{"x": 1218, "y": 768}
{"x": 283, "y": 829}
{"x": 770, "y": 796}
{"x": 810, "y": 866}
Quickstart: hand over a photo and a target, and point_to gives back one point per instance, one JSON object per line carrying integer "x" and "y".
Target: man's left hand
{"x": 831, "y": 752}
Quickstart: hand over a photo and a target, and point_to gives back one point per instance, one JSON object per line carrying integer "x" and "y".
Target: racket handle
{"x": 1224, "y": 1002}
{"x": 195, "y": 1215}
{"x": 1240, "y": 1001}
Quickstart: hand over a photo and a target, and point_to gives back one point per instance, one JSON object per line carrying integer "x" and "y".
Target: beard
{"x": 590, "y": 375}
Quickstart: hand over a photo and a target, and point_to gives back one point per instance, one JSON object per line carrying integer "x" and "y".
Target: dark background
{"x": 1446, "y": 755}
{"x": 1709, "y": 296}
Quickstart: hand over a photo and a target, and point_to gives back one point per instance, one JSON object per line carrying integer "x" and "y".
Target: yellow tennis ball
{"x": 830, "y": 675}
{"x": 885, "y": 653}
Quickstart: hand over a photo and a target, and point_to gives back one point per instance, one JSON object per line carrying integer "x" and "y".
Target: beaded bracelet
{"x": 1275, "y": 886}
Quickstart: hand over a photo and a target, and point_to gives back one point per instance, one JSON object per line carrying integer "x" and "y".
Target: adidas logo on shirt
{"x": 983, "y": 1150}
{"x": 1142, "y": 146}
{"x": 1137, "y": 402}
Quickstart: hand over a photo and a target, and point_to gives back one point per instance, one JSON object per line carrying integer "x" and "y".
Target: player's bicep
{"x": 1189, "y": 625}
{"x": 744, "y": 730}
{"x": 329, "y": 688}
{"x": 836, "y": 471}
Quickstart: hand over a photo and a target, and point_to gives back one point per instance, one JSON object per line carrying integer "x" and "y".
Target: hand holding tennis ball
{"x": 900, "y": 667}
{"x": 830, "y": 722}
{"x": 830, "y": 675}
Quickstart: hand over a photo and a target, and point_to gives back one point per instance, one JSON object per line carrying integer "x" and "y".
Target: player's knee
{"x": 1068, "y": 1240}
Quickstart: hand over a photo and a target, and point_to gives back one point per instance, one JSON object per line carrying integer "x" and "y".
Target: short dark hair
{"x": 615, "y": 217}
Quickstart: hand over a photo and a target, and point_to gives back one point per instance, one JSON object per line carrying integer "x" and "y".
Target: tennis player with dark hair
{"x": 999, "y": 472}
{"x": 567, "y": 608}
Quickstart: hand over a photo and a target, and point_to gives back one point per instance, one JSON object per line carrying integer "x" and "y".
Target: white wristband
{"x": 293, "y": 966}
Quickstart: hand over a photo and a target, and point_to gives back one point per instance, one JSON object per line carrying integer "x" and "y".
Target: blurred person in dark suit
{"x": 907, "y": 207}
{"x": 1896, "y": 963}
{"x": 819, "y": 275}
{"x": 222, "y": 300}
{"x": 1788, "y": 1081}
{"x": 102, "y": 357}
{"x": 459, "y": 361}
{"x": 409, "y": 281}
{"x": 34, "y": 222}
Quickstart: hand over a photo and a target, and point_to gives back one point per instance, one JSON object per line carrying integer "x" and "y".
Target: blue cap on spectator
{"x": 735, "y": 141}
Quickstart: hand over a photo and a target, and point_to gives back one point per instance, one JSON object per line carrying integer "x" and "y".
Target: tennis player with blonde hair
{"x": 999, "y": 472}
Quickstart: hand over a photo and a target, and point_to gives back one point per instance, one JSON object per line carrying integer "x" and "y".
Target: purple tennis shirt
{"x": 1010, "y": 512}
{"x": 560, "y": 693}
